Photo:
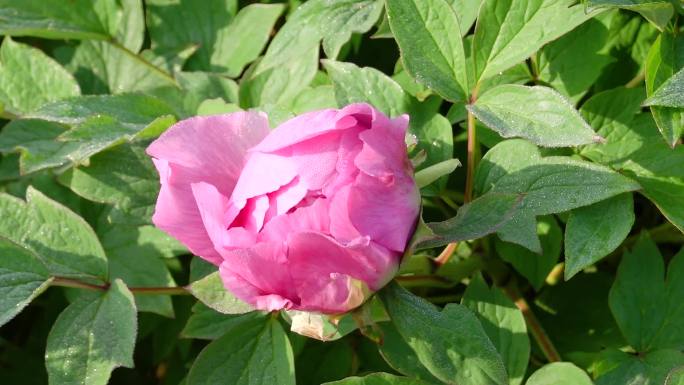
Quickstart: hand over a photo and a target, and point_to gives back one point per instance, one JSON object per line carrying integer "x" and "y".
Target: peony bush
{"x": 341, "y": 192}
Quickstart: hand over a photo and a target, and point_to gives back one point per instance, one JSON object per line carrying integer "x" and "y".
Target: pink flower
{"x": 313, "y": 215}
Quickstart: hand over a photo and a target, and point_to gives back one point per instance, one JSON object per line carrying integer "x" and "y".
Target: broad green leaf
{"x": 594, "y": 231}
{"x": 368, "y": 85}
{"x": 29, "y": 78}
{"x": 504, "y": 324}
{"x": 314, "y": 98}
{"x": 430, "y": 174}
{"x": 575, "y": 61}
{"x": 531, "y": 265}
{"x": 36, "y": 141}
{"x": 646, "y": 306}
{"x": 509, "y": 31}
{"x": 244, "y": 38}
{"x": 278, "y": 85}
{"x": 658, "y": 12}
{"x": 655, "y": 368}
{"x": 143, "y": 269}
{"x": 576, "y": 316}
{"x": 252, "y": 353}
{"x": 635, "y": 147}
{"x": 98, "y": 122}
{"x": 400, "y": 356}
{"x": 378, "y": 379}
{"x": 429, "y": 37}
{"x": 473, "y": 220}
{"x": 332, "y": 21}
{"x": 92, "y": 336}
{"x": 435, "y": 138}
{"x": 125, "y": 240}
{"x": 506, "y": 157}
{"x": 200, "y": 86}
{"x": 536, "y": 113}
{"x": 103, "y": 67}
{"x": 466, "y": 11}
{"x": 450, "y": 343}
{"x": 62, "y": 239}
{"x": 665, "y": 59}
{"x": 23, "y": 276}
{"x": 55, "y": 19}
{"x": 670, "y": 93}
{"x": 211, "y": 291}
{"x": 123, "y": 176}
{"x": 206, "y": 323}
{"x": 556, "y": 184}
{"x": 178, "y": 23}
{"x": 559, "y": 373}
{"x": 216, "y": 107}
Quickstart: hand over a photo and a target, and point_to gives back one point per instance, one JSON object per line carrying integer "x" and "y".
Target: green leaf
{"x": 23, "y": 276}
{"x": 594, "y": 231}
{"x": 635, "y": 147}
{"x": 508, "y": 31}
{"x": 143, "y": 269}
{"x": 36, "y": 141}
{"x": 211, "y": 291}
{"x": 658, "y": 12}
{"x": 430, "y": 174}
{"x": 314, "y": 98}
{"x": 55, "y": 19}
{"x": 98, "y": 122}
{"x": 429, "y": 37}
{"x": 245, "y": 38}
{"x": 254, "y": 353}
{"x": 559, "y": 373}
{"x": 435, "y": 138}
{"x": 62, "y": 239}
{"x": 29, "y": 78}
{"x": 332, "y": 21}
{"x": 207, "y": 26}
{"x": 451, "y": 344}
{"x": 466, "y": 11}
{"x": 665, "y": 59}
{"x": 531, "y": 265}
{"x": 125, "y": 240}
{"x": 123, "y": 176}
{"x": 670, "y": 93}
{"x": 368, "y": 85}
{"x": 504, "y": 324}
{"x": 92, "y": 336}
{"x": 575, "y": 61}
{"x": 473, "y": 220}
{"x": 278, "y": 85}
{"x": 537, "y": 113}
{"x": 400, "y": 356}
{"x": 557, "y": 184}
{"x": 104, "y": 67}
{"x": 654, "y": 368}
{"x": 647, "y": 306}
{"x": 505, "y": 157}
{"x": 206, "y": 323}
{"x": 378, "y": 379}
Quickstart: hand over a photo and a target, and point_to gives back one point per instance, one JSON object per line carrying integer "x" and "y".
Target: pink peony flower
{"x": 312, "y": 216}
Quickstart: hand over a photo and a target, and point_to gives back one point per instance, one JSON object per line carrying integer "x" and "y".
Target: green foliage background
{"x": 546, "y": 136}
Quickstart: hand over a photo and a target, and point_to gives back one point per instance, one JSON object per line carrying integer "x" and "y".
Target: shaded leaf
{"x": 211, "y": 291}
{"x": 559, "y": 373}
{"x": 92, "y": 336}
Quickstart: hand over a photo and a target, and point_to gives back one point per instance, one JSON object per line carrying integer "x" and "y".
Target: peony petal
{"x": 177, "y": 214}
{"x": 249, "y": 293}
{"x": 341, "y": 226}
{"x": 258, "y": 271}
{"x": 303, "y": 127}
{"x": 387, "y": 212}
{"x": 214, "y": 147}
{"x": 310, "y": 218}
{"x": 384, "y": 149}
{"x": 262, "y": 174}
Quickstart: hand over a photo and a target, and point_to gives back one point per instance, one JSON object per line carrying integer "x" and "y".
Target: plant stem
{"x": 636, "y": 80}
{"x": 446, "y": 254}
{"x": 425, "y": 280}
{"x": 68, "y": 282}
{"x": 533, "y": 324}
{"x": 470, "y": 162}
